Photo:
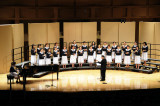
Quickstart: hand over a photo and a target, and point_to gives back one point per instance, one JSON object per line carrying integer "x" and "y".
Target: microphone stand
{"x": 52, "y": 79}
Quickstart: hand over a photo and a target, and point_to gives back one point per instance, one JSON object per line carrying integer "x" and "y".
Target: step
{"x": 150, "y": 59}
{"x": 157, "y": 64}
{"x": 150, "y": 67}
{"x": 143, "y": 70}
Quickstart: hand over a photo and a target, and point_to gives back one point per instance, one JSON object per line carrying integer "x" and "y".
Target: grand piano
{"x": 28, "y": 70}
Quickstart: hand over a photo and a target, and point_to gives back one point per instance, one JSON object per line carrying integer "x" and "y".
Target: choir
{"x": 82, "y": 54}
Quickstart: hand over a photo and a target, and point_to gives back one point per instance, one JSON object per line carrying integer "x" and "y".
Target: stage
{"x": 87, "y": 80}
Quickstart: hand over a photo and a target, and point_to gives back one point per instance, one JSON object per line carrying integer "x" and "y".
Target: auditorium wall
{"x": 157, "y": 38}
{"x": 12, "y": 36}
{"x": 118, "y": 32}
{"x": 41, "y": 33}
{"x": 18, "y": 40}
{"x": 80, "y": 31}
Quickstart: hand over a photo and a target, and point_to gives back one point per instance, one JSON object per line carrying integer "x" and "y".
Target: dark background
{"x": 22, "y": 11}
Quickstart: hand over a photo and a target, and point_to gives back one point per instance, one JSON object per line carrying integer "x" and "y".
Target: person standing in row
{"x": 80, "y": 56}
{"x": 104, "y": 48}
{"x": 75, "y": 47}
{"x": 64, "y": 61}
{"x": 48, "y": 57}
{"x": 46, "y": 48}
{"x": 94, "y": 48}
{"x": 145, "y": 53}
{"x": 55, "y": 56}
{"x": 124, "y": 47}
{"x": 134, "y": 48}
{"x": 42, "y": 57}
{"x": 127, "y": 58}
{"x": 33, "y": 55}
{"x": 58, "y": 49}
{"x": 90, "y": 56}
{"x": 137, "y": 57}
{"x": 109, "y": 55}
{"x": 99, "y": 54}
{"x": 38, "y": 51}
{"x": 118, "y": 57}
{"x": 84, "y": 48}
{"x": 114, "y": 47}
{"x": 73, "y": 56}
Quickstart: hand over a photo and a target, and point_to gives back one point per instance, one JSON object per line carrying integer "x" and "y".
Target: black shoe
{"x": 17, "y": 82}
{"x": 102, "y": 80}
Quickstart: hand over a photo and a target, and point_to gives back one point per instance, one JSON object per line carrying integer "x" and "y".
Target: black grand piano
{"x": 28, "y": 70}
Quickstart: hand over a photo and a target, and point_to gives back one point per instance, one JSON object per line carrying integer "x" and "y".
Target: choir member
{"x": 14, "y": 72}
{"x": 118, "y": 57}
{"x": 75, "y": 47}
{"x": 33, "y": 55}
{"x": 38, "y": 51}
{"x": 127, "y": 58}
{"x": 145, "y": 53}
{"x": 104, "y": 48}
{"x": 114, "y": 47}
{"x": 46, "y": 48}
{"x": 64, "y": 60}
{"x": 84, "y": 47}
{"x": 90, "y": 56}
{"x": 73, "y": 56}
{"x": 124, "y": 47}
{"x": 80, "y": 56}
{"x": 42, "y": 57}
{"x": 134, "y": 48}
{"x": 55, "y": 56}
{"x": 94, "y": 48}
{"x": 48, "y": 57}
{"x": 56, "y": 46}
{"x": 109, "y": 57}
{"x": 99, "y": 54}
{"x": 137, "y": 57}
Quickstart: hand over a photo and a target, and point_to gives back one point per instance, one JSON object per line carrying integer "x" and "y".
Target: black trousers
{"x": 103, "y": 74}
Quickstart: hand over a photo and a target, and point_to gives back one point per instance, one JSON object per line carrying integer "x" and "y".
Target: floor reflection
{"x": 88, "y": 80}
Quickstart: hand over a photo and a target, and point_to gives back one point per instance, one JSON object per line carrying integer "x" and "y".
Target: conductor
{"x": 103, "y": 68}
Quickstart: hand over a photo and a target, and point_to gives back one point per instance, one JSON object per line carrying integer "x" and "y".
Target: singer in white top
{"x": 124, "y": 47}
{"x": 99, "y": 54}
{"x": 80, "y": 56}
{"x": 109, "y": 55}
{"x": 85, "y": 55}
{"x": 118, "y": 58}
{"x": 104, "y": 48}
{"x": 114, "y": 47}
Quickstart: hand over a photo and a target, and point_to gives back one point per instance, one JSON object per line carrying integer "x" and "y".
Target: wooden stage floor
{"x": 87, "y": 80}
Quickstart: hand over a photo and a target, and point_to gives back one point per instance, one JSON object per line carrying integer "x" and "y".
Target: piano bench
{"x": 10, "y": 78}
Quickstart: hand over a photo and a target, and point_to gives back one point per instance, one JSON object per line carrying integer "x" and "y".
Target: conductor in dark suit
{"x": 103, "y": 68}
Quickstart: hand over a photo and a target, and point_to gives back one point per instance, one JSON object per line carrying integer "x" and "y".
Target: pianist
{"x": 14, "y": 72}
